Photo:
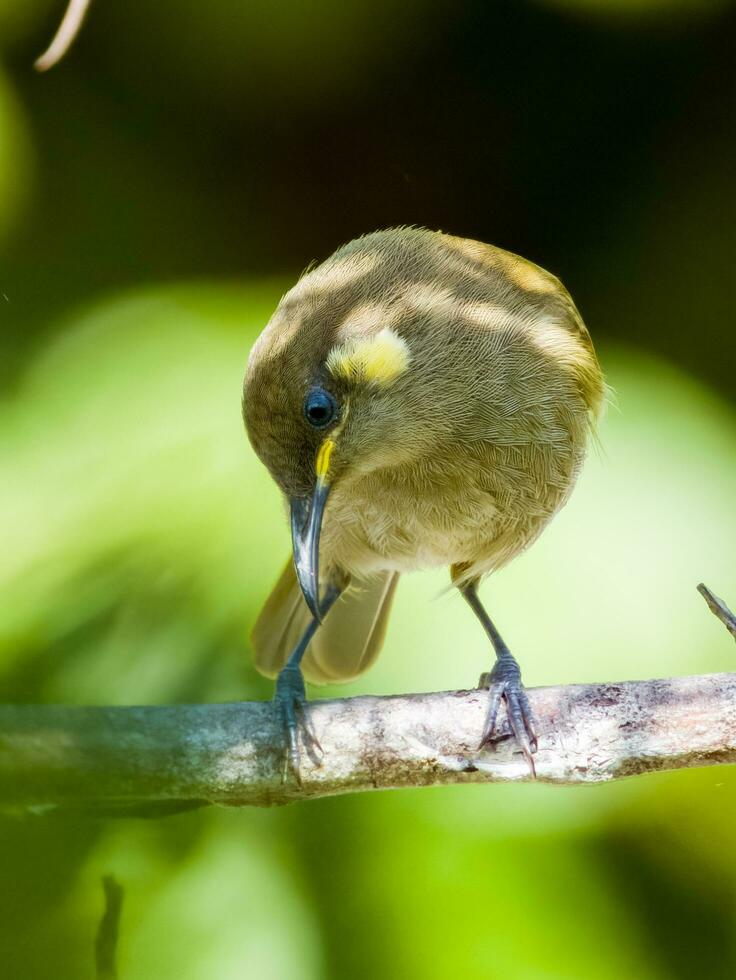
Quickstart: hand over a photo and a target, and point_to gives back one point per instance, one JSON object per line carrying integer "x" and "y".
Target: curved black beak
{"x": 306, "y": 524}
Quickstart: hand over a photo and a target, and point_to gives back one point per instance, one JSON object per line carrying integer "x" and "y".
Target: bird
{"x": 421, "y": 400}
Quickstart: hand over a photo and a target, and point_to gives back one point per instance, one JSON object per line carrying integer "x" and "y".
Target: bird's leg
{"x": 504, "y": 682}
{"x": 290, "y": 697}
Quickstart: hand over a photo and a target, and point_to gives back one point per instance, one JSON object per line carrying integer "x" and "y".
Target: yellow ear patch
{"x": 378, "y": 359}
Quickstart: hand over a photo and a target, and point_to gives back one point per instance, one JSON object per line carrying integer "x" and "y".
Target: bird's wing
{"x": 346, "y": 643}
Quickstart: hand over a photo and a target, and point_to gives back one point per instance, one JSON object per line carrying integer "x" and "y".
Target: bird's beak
{"x": 306, "y": 524}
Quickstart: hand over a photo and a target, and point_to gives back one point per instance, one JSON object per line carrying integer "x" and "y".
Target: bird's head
{"x": 329, "y": 387}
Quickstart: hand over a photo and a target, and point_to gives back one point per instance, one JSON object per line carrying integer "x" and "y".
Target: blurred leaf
{"x": 129, "y": 491}
{"x": 19, "y": 17}
{"x": 230, "y": 904}
{"x": 15, "y": 170}
{"x": 634, "y": 11}
{"x": 291, "y": 55}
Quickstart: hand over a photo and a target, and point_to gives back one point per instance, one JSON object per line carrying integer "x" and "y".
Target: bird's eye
{"x": 320, "y": 408}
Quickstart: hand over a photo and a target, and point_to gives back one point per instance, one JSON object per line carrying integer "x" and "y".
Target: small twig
{"x": 69, "y": 27}
{"x": 719, "y": 608}
{"x": 107, "y": 933}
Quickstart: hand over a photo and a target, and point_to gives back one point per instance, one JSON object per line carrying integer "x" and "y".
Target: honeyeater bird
{"x": 420, "y": 400}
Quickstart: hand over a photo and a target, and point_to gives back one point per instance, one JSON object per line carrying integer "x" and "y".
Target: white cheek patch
{"x": 379, "y": 359}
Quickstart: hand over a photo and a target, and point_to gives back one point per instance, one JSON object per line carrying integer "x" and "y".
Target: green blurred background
{"x": 158, "y": 190}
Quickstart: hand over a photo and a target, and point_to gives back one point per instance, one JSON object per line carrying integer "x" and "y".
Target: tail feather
{"x": 345, "y": 645}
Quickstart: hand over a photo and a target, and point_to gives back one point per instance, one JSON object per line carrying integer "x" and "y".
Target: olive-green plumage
{"x": 467, "y": 385}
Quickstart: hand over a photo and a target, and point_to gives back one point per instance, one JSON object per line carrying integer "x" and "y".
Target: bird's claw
{"x": 504, "y": 683}
{"x": 290, "y": 701}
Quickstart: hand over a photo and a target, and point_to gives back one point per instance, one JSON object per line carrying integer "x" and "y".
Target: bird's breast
{"x": 379, "y": 532}
{"x": 481, "y": 511}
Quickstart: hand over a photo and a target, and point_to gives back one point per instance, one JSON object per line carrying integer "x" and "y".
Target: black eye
{"x": 320, "y": 408}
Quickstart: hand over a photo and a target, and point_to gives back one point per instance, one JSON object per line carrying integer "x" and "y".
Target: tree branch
{"x": 162, "y": 759}
{"x": 231, "y": 754}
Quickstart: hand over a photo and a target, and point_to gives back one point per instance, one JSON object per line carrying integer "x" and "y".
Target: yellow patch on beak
{"x": 322, "y": 463}
{"x": 378, "y": 359}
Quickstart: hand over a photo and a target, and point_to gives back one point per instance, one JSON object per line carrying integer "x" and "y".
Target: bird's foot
{"x": 290, "y": 701}
{"x": 504, "y": 683}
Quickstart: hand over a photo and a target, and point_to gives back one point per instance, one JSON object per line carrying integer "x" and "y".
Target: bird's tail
{"x": 346, "y": 643}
